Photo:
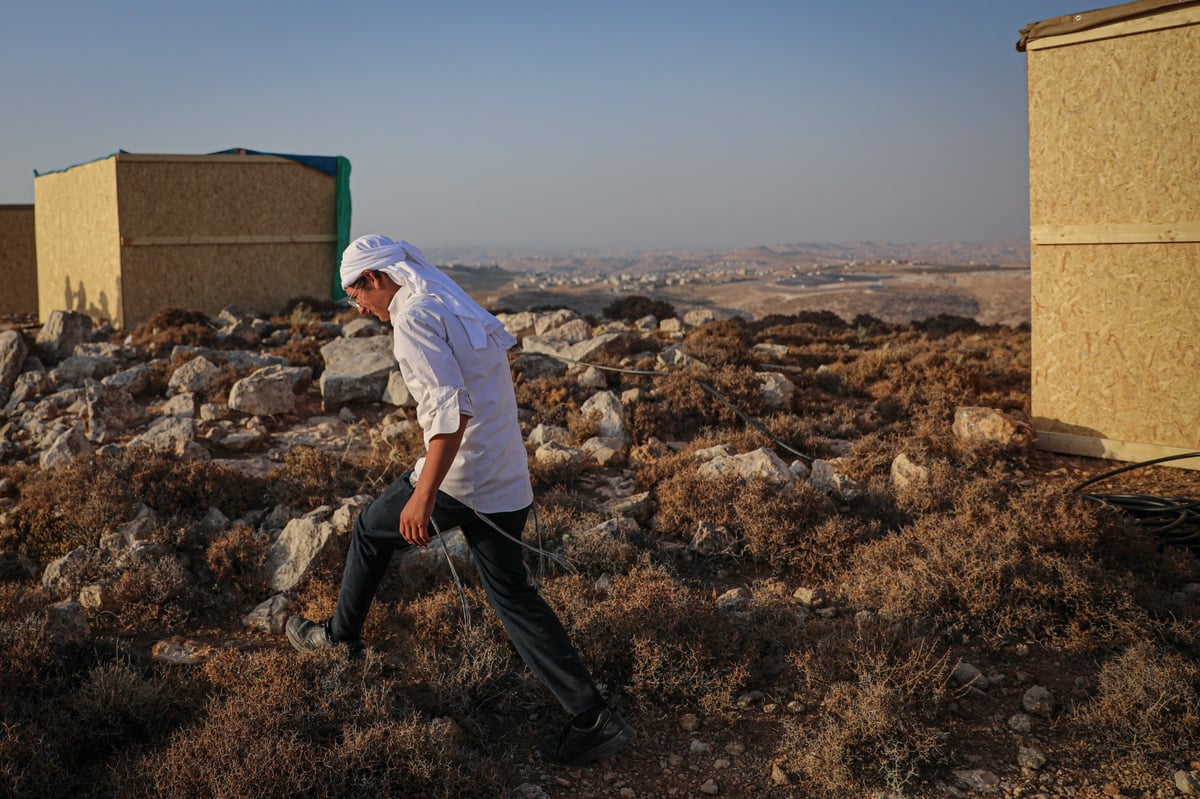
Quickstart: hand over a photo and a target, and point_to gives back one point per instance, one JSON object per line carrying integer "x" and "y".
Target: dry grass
{"x": 877, "y": 724}
{"x": 77, "y": 504}
{"x": 1146, "y": 707}
{"x": 1001, "y": 568}
{"x": 279, "y": 726}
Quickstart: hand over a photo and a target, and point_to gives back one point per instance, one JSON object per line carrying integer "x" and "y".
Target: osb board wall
{"x": 257, "y": 278}
{"x": 205, "y": 232}
{"x": 1114, "y": 342}
{"x": 1114, "y": 129}
{"x": 18, "y": 260}
{"x": 223, "y": 196}
{"x": 78, "y": 259}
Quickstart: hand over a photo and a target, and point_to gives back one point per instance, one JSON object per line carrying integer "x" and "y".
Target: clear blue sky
{"x": 559, "y": 124}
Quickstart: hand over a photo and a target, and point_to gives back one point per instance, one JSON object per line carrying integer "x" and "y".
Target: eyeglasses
{"x": 357, "y": 286}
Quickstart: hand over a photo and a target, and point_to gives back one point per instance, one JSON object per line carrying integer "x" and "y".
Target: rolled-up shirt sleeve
{"x": 432, "y": 373}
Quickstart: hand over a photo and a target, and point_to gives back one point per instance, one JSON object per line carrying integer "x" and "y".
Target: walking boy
{"x": 475, "y": 475}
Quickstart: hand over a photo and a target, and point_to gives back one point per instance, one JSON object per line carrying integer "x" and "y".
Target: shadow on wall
{"x": 76, "y": 300}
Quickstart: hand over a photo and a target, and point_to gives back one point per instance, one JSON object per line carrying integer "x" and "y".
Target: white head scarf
{"x": 406, "y": 265}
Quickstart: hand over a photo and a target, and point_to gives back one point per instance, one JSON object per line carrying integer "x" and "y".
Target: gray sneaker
{"x": 307, "y": 635}
{"x": 575, "y": 746}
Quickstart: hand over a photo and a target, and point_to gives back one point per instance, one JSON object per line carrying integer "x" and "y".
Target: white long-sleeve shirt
{"x": 450, "y": 379}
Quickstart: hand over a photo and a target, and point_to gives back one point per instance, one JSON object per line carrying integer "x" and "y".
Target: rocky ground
{"x": 986, "y": 697}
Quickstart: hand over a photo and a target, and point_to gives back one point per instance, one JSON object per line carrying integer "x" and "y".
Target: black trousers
{"x": 535, "y": 630}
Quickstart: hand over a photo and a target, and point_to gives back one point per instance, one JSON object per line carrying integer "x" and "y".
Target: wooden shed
{"x": 124, "y": 236}
{"x": 1114, "y": 204}
{"x": 18, "y": 260}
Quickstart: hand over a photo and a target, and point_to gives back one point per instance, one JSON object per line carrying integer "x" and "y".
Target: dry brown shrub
{"x": 656, "y": 637}
{"x": 810, "y": 344}
{"x": 687, "y": 498}
{"x": 1001, "y": 568}
{"x": 675, "y": 671}
{"x": 31, "y": 762}
{"x": 303, "y": 351}
{"x": 155, "y": 592}
{"x": 117, "y": 706}
{"x": 278, "y": 725}
{"x": 553, "y": 474}
{"x": 318, "y": 597}
{"x": 307, "y": 332}
{"x": 800, "y": 328}
{"x": 908, "y": 379}
{"x": 552, "y": 400}
{"x": 876, "y": 727}
{"x": 87, "y": 565}
{"x": 948, "y": 477}
{"x": 26, "y": 658}
{"x": 680, "y": 406}
{"x": 409, "y": 756}
{"x": 188, "y": 488}
{"x": 786, "y": 526}
{"x": 793, "y": 429}
{"x": 671, "y": 410}
{"x": 171, "y": 327}
{"x": 1147, "y": 705}
{"x": 598, "y": 552}
{"x": 583, "y": 426}
{"x": 945, "y": 486}
{"x": 68, "y": 709}
{"x": 223, "y": 384}
{"x": 309, "y": 478}
{"x": 68, "y": 507}
{"x": 457, "y": 666}
{"x": 790, "y": 528}
{"x": 559, "y": 510}
{"x": 739, "y": 386}
{"x": 629, "y": 351}
{"x": 635, "y": 306}
{"x": 236, "y": 557}
{"x": 726, "y": 342}
{"x": 78, "y": 503}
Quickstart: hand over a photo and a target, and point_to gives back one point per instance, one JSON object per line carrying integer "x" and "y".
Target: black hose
{"x": 1175, "y": 521}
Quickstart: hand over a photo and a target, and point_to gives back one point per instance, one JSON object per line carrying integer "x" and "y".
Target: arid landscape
{"x": 987, "y": 282}
{"x": 817, "y": 552}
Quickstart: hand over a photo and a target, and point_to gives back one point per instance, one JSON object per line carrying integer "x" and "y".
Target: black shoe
{"x": 575, "y": 746}
{"x": 307, "y": 636}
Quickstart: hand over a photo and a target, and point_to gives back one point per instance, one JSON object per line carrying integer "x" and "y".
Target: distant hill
{"x": 761, "y": 257}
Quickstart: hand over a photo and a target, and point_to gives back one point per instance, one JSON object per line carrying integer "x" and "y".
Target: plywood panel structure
{"x": 78, "y": 249}
{"x": 18, "y": 260}
{"x": 197, "y": 232}
{"x": 1114, "y": 159}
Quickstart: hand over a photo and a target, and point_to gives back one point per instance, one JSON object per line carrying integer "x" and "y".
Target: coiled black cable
{"x": 1175, "y": 521}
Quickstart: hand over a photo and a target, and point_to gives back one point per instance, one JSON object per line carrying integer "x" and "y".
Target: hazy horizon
{"x": 467, "y": 252}
{"x": 544, "y": 127}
